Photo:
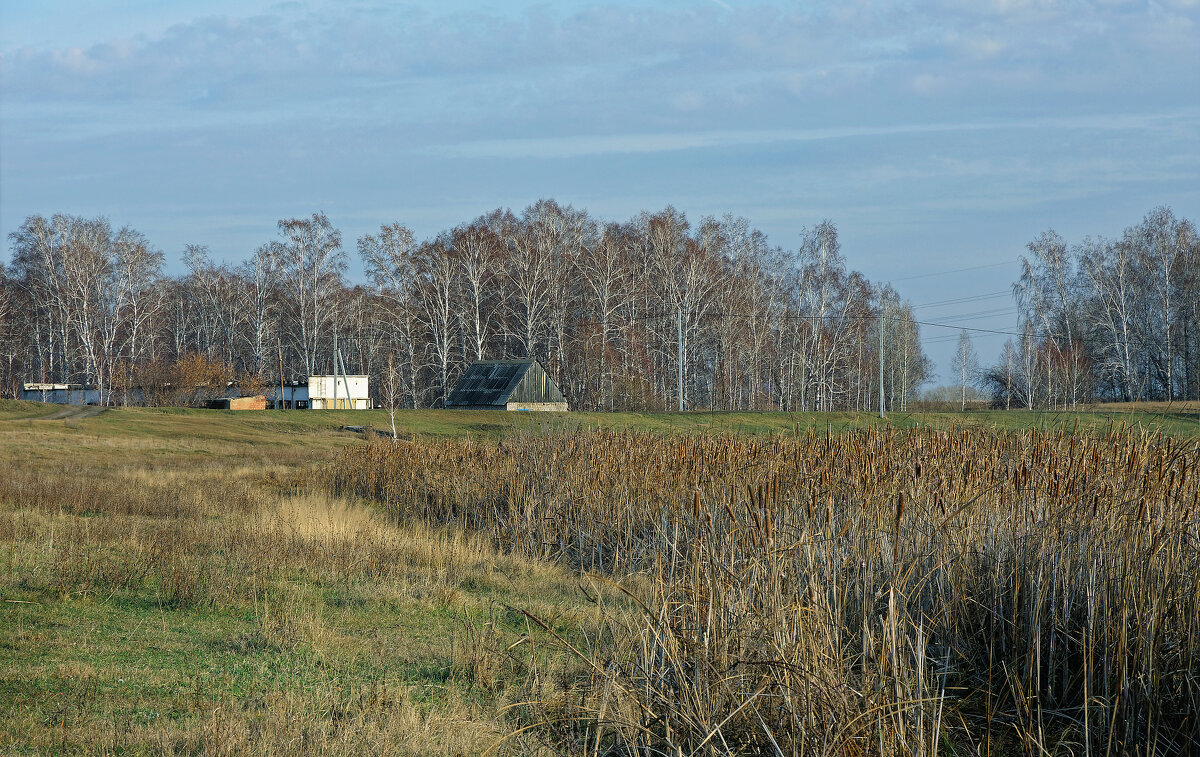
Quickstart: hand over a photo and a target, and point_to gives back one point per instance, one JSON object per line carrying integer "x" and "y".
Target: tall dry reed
{"x": 888, "y": 592}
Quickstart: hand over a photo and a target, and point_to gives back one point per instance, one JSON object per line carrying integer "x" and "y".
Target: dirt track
{"x": 73, "y": 411}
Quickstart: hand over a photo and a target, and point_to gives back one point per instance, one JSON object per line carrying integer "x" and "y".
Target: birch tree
{"x": 603, "y": 268}
{"x": 11, "y": 347}
{"x": 687, "y": 275}
{"x": 392, "y": 391}
{"x": 260, "y": 278}
{"x": 1047, "y": 290}
{"x": 531, "y": 274}
{"x": 390, "y": 265}
{"x": 966, "y": 363}
{"x": 40, "y": 249}
{"x": 128, "y": 297}
{"x": 478, "y": 252}
{"x": 1164, "y": 244}
{"x": 1111, "y": 272}
{"x": 437, "y": 272}
{"x": 828, "y": 302}
{"x": 311, "y": 263}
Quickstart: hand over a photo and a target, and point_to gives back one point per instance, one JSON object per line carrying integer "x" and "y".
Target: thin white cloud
{"x": 589, "y": 145}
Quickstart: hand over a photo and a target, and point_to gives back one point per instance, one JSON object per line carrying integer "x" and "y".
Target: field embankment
{"x": 315, "y": 428}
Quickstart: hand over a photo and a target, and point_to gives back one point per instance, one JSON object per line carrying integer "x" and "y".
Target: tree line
{"x": 649, "y": 313}
{"x": 1105, "y": 319}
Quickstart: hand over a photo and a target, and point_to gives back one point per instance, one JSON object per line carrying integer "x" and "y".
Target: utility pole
{"x": 880, "y": 359}
{"x": 335, "y": 369}
{"x": 680, "y": 324}
{"x": 341, "y": 361}
{"x": 279, "y": 347}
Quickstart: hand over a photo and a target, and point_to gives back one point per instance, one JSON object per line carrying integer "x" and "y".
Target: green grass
{"x": 196, "y": 429}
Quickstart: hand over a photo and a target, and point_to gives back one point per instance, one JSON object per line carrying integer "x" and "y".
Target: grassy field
{"x": 321, "y": 429}
{"x": 171, "y": 581}
{"x": 191, "y": 580}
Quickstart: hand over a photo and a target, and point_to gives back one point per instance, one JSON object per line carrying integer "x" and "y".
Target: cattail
{"x": 1040, "y": 591}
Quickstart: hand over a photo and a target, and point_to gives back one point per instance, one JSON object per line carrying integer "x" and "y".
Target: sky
{"x": 940, "y": 137}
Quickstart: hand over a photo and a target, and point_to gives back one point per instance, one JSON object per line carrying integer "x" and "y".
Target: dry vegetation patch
{"x": 882, "y": 591}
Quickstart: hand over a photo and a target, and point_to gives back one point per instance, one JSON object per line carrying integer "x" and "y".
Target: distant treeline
{"x": 1110, "y": 319}
{"x": 617, "y": 312}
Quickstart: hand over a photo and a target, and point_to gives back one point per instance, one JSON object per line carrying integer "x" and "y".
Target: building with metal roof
{"x": 506, "y": 385}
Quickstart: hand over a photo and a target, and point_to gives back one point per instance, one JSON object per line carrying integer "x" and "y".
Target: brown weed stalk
{"x": 880, "y": 592}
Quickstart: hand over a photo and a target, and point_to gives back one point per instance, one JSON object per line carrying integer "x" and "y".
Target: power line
{"x": 956, "y": 325}
{"x": 833, "y": 317}
{"x": 968, "y": 328}
{"x": 977, "y": 315}
{"x": 952, "y": 338}
{"x": 964, "y": 300}
{"x": 957, "y": 270}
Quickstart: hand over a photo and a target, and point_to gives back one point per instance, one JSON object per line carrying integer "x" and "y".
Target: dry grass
{"x": 206, "y": 600}
{"x": 883, "y": 592}
{"x": 193, "y": 582}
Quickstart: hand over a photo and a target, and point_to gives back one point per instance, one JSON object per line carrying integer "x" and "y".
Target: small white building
{"x": 338, "y": 393}
{"x": 344, "y": 392}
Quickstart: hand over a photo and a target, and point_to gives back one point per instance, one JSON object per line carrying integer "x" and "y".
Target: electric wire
{"x": 957, "y": 270}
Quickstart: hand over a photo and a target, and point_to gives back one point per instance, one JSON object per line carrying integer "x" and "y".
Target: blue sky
{"x": 938, "y": 136}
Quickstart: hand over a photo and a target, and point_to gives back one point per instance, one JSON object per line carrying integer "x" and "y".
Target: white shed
{"x": 318, "y": 394}
{"x": 338, "y": 393}
{"x": 319, "y": 391}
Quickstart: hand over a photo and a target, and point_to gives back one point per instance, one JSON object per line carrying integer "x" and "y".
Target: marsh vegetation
{"x": 881, "y": 591}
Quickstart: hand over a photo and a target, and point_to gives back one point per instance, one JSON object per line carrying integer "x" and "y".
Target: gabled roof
{"x": 494, "y": 382}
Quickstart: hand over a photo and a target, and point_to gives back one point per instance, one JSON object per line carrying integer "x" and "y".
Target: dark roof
{"x": 497, "y": 382}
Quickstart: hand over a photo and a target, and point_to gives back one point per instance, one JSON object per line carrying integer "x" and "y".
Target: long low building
{"x": 344, "y": 392}
{"x": 62, "y": 394}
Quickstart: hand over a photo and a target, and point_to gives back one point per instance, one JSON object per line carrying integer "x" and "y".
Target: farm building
{"x": 506, "y": 385}
{"x": 62, "y": 394}
{"x": 345, "y": 392}
{"x": 338, "y": 393}
{"x": 323, "y": 393}
{"x": 295, "y": 396}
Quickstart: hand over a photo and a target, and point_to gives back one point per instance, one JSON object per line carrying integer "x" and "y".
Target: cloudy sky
{"x": 939, "y": 136}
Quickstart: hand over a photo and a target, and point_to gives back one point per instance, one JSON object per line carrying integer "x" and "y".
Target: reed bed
{"x": 881, "y": 592}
